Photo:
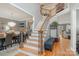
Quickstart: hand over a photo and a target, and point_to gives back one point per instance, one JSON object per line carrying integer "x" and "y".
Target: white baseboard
{"x": 74, "y": 51}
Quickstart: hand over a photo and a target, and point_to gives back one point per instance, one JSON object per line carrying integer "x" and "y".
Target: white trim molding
{"x": 20, "y": 8}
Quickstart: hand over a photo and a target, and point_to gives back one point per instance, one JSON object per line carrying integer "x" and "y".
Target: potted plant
{"x": 54, "y": 24}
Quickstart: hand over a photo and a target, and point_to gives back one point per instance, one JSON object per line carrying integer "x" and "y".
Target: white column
{"x": 33, "y": 24}
{"x": 73, "y": 30}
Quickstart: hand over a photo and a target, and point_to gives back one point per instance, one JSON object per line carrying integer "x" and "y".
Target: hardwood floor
{"x": 60, "y": 49}
{"x": 29, "y": 50}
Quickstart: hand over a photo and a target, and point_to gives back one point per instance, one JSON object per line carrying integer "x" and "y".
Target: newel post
{"x": 40, "y": 39}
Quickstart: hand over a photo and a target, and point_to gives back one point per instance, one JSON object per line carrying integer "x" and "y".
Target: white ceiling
{"x": 11, "y": 12}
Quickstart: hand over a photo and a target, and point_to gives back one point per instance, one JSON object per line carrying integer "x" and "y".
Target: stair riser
{"x": 36, "y": 37}
{"x": 32, "y": 47}
{"x": 37, "y": 31}
{"x": 36, "y": 34}
{"x": 34, "y": 42}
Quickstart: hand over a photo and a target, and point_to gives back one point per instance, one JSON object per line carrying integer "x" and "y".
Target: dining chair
{"x": 16, "y": 39}
{"x": 1, "y": 43}
{"x": 21, "y": 36}
{"x": 8, "y": 41}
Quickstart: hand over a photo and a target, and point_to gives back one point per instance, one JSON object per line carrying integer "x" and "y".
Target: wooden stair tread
{"x": 35, "y": 45}
{"x": 39, "y": 29}
{"x": 21, "y": 54}
{"x": 38, "y": 36}
{"x": 29, "y": 50}
{"x": 34, "y": 40}
{"x": 36, "y": 32}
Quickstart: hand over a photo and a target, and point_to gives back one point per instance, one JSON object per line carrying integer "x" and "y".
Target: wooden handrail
{"x": 49, "y": 16}
{"x": 41, "y": 29}
{"x": 41, "y": 36}
{"x": 44, "y": 22}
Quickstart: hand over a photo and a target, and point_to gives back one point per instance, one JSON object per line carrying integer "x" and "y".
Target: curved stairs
{"x": 31, "y": 46}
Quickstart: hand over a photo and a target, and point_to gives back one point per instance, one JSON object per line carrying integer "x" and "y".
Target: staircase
{"x": 32, "y": 45}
